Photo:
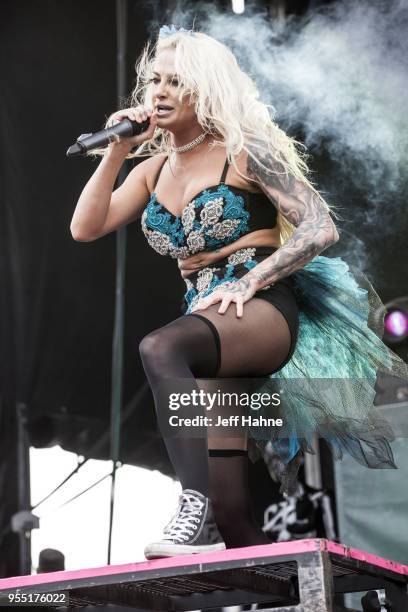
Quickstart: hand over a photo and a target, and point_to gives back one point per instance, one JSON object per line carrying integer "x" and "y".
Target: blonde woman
{"x": 225, "y": 193}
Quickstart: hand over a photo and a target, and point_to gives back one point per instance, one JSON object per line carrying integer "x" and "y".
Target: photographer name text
{"x": 231, "y": 421}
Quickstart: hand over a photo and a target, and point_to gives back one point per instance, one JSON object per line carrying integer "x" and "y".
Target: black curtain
{"x": 58, "y": 298}
{"x": 57, "y": 295}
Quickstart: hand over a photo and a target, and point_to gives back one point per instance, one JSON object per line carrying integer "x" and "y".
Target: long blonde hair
{"x": 227, "y": 106}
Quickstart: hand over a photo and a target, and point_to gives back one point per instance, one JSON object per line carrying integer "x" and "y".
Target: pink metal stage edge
{"x": 298, "y": 576}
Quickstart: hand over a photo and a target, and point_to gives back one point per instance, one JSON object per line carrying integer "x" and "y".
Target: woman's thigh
{"x": 256, "y": 344}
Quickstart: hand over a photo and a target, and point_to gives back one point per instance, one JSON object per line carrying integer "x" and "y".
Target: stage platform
{"x": 298, "y": 576}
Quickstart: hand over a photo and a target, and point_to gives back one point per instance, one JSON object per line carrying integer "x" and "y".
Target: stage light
{"x": 392, "y": 389}
{"x": 396, "y": 325}
{"x": 395, "y": 322}
{"x": 238, "y": 6}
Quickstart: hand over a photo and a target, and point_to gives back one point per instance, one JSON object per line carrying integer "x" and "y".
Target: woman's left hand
{"x": 197, "y": 262}
{"x": 238, "y": 292}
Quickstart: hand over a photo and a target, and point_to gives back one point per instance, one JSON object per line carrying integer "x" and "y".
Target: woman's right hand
{"x": 140, "y": 114}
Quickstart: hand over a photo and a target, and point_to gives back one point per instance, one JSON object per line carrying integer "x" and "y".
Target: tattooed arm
{"x": 299, "y": 204}
{"x": 314, "y": 232}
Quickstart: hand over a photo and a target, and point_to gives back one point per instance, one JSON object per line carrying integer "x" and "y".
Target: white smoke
{"x": 338, "y": 74}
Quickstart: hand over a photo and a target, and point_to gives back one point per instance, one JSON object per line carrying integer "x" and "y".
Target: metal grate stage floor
{"x": 298, "y": 576}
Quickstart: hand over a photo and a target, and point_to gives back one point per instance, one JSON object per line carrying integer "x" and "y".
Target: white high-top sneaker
{"x": 191, "y": 530}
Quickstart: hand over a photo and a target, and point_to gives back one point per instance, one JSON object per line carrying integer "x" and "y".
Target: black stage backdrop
{"x": 59, "y": 294}
{"x": 56, "y": 295}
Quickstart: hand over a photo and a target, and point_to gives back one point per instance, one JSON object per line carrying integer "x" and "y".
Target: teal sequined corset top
{"x": 216, "y": 217}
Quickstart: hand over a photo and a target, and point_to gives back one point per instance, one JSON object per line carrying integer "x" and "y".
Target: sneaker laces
{"x": 184, "y": 522}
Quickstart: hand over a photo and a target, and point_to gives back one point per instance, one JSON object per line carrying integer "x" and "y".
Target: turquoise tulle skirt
{"x": 328, "y": 386}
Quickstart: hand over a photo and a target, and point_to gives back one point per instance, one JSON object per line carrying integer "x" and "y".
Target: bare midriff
{"x": 259, "y": 238}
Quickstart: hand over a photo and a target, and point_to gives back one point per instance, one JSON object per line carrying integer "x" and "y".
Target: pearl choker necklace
{"x": 190, "y": 145}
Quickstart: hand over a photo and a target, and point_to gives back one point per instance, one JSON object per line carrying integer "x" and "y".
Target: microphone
{"x": 87, "y": 142}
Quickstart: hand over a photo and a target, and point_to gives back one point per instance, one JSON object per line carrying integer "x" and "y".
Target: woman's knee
{"x": 150, "y": 346}
{"x": 160, "y": 345}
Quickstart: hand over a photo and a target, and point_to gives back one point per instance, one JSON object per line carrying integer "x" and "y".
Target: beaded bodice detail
{"x": 213, "y": 219}
{"x": 216, "y": 217}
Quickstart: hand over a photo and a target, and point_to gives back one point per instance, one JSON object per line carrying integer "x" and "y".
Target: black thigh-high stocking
{"x": 229, "y": 489}
{"x": 224, "y": 346}
{"x": 183, "y": 349}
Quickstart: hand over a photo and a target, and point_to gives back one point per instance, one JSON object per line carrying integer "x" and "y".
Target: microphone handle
{"x": 125, "y": 128}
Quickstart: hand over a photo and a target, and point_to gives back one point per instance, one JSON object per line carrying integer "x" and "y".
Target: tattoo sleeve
{"x": 299, "y": 204}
